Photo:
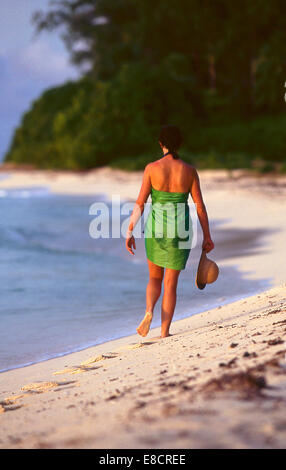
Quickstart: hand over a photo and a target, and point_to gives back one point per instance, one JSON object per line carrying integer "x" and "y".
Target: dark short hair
{"x": 171, "y": 137}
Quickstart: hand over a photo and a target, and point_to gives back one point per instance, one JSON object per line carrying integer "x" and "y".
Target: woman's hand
{"x": 130, "y": 243}
{"x": 208, "y": 244}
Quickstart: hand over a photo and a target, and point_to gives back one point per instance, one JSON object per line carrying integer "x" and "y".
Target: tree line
{"x": 214, "y": 68}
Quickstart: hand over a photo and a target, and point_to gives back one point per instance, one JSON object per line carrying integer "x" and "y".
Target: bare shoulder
{"x": 151, "y": 166}
{"x": 190, "y": 169}
{"x": 148, "y": 167}
{"x": 189, "y": 166}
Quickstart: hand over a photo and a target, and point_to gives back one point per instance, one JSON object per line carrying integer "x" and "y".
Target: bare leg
{"x": 153, "y": 292}
{"x": 169, "y": 300}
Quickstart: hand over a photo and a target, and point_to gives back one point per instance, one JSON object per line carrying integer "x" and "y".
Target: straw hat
{"x": 207, "y": 271}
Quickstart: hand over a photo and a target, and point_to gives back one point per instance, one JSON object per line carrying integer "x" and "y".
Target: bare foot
{"x": 165, "y": 336}
{"x": 144, "y": 326}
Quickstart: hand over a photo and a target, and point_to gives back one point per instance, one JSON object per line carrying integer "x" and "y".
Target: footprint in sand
{"x": 6, "y": 407}
{"x": 92, "y": 360}
{"x": 134, "y": 346}
{"x": 137, "y": 345}
{"x": 10, "y": 403}
{"x": 40, "y": 387}
{"x": 65, "y": 371}
{"x": 85, "y": 366}
{"x": 81, "y": 369}
{"x": 76, "y": 370}
{"x": 148, "y": 343}
{"x": 12, "y": 400}
{"x": 108, "y": 355}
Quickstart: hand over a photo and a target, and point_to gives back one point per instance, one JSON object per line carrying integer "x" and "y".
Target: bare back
{"x": 171, "y": 175}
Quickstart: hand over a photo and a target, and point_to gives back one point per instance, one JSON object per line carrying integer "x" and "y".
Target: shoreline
{"x": 228, "y": 301}
{"x": 223, "y": 384}
{"x": 241, "y": 229}
{"x": 127, "y": 183}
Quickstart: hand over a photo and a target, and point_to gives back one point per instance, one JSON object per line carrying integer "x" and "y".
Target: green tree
{"x": 200, "y": 64}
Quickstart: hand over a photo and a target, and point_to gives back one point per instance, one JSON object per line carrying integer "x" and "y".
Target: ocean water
{"x": 63, "y": 291}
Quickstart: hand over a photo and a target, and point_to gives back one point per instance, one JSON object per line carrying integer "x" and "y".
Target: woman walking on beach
{"x": 169, "y": 180}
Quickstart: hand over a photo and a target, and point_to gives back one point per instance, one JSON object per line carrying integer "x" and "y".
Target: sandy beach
{"x": 218, "y": 382}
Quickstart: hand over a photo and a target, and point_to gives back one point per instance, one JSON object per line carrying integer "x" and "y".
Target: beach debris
{"x": 247, "y": 354}
{"x": 113, "y": 397}
{"x": 274, "y": 342}
{"x": 140, "y": 404}
{"x": 282, "y": 322}
{"x": 233, "y": 345}
{"x": 273, "y": 311}
{"x": 183, "y": 385}
{"x": 229, "y": 363}
{"x": 248, "y": 384}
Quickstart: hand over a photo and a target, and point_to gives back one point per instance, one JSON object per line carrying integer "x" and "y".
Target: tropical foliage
{"x": 216, "y": 69}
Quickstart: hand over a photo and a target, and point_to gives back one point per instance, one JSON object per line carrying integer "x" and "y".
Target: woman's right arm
{"x": 138, "y": 209}
{"x": 197, "y": 197}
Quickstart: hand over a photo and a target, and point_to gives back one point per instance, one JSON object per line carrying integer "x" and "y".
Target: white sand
{"x": 155, "y": 393}
{"x": 219, "y": 381}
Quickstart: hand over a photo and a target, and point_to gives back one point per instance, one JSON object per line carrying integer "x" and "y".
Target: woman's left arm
{"x": 138, "y": 209}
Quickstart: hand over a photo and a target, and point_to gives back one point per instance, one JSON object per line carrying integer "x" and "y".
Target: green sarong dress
{"x": 168, "y": 230}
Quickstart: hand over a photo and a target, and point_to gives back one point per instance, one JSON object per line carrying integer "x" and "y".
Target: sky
{"x": 29, "y": 63}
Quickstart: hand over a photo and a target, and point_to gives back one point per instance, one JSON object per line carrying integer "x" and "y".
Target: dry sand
{"x": 218, "y": 382}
